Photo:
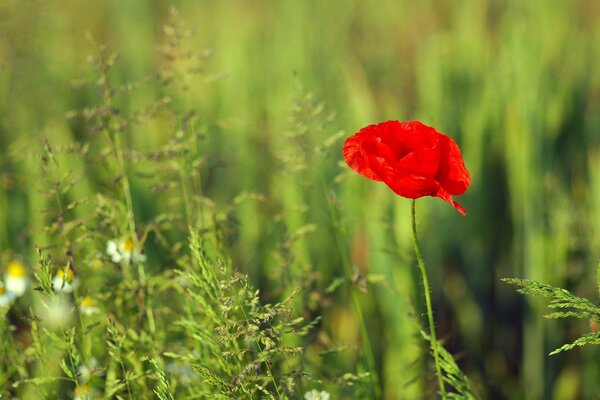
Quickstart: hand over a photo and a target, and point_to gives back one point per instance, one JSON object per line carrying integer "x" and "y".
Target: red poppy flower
{"x": 413, "y": 159}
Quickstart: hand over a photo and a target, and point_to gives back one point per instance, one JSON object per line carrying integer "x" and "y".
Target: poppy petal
{"x": 355, "y": 157}
{"x": 444, "y": 195}
{"x": 416, "y": 174}
{"x": 454, "y": 176}
{"x": 411, "y": 158}
{"x": 368, "y": 152}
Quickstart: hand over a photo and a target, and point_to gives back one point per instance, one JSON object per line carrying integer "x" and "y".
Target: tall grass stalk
{"x": 598, "y": 278}
{"x": 375, "y": 382}
{"x": 113, "y": 133}
{"x": 434, "y": 343}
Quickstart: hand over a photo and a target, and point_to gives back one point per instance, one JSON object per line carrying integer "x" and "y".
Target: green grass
{"x": 256, "y": 175}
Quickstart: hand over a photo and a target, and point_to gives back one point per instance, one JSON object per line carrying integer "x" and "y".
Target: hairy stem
{"x": 433, "y": 341}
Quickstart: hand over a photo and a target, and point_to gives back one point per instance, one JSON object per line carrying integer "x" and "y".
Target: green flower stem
{"x": 433, "y": 342}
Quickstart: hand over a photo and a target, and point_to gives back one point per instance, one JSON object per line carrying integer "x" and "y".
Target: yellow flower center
{"x": 69, "y": 274}
{"x": 128, "y": 245}
{"x": 83, "y": 389}
{"x": 88, "y": 302}
{"x": 16, "y": 270}
{"x": 2, "y": 290}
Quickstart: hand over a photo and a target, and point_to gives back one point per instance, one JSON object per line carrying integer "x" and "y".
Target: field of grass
{"x": 178, "y": 167}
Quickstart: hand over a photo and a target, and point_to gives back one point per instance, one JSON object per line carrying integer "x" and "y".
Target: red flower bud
{"x": 413, "y": 159}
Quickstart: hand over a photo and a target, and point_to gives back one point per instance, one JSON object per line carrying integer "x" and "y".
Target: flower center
{"x": 16, "y": 270}
{"x": 83, "y": 389}
{"x": 87, "y": 302}
{"x": 69, "y": 274}
{"x": 128, "y": 245}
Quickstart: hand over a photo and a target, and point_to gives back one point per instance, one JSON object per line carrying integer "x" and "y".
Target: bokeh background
{"x": 514, "y": 82}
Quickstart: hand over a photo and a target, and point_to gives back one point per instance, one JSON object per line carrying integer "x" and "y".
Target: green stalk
{"x": 257, "y": 343}
{"x": 369, "y": 354}
{"x": 598, "y": 277}
{"x": 116, "y": 142}
{"x": 433, "y": 342}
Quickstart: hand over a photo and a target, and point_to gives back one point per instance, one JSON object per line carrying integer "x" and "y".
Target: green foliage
{"x": 163, "y": 389}
{"x": 103, "y": 328}
{"x": 159, "y": 135}
{"x": 44, "y": 273}
{"x": 453, "y": 375}
{"x": 590, "y": 338}
{"x": 237, "y": 342}
{"x": 570, "y": 306}
{"x": 559, "y": 298}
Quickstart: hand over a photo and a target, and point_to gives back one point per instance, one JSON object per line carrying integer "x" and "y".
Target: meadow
{"x": 177, "y": 220}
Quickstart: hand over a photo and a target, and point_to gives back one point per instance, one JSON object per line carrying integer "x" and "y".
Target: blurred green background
{"x": 514, "y": 82}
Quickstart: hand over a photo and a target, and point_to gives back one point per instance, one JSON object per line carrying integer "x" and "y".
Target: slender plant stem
{"x": 598, "y": 277}
{"x": 433, "y": 341}
{"x": 376, "y": 385}
{"x": 132, "y": 229}
{"x": 118, "y": 149}
{"x": 260, "y": 351}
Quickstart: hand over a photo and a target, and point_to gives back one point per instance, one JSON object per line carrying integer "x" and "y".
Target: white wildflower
{"x": 124, "y": 250}
{"x": 89, "y": 306}
{"x": 65, "y": 280}
{"x": 83, "y": 392}
{"x": 316, "y": 395}
{"x": 85, "y": 371}
{"x": 15, "y": 278}
{"x": 6, "y": 297}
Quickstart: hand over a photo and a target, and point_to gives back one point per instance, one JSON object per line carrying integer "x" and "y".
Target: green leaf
{"x": 452, "y": 374}
{"x": 590, "y": 338}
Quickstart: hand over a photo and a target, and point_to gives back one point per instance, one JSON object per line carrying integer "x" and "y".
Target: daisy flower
{"x": 124, "y": 250}
{"x": 85, "y": 371}
{"x": 88, "y": 306}
{"x": 83, "y": 392}
{"x": 65, "y": 280}
{"x": 16, "y": 279}
{"x": 6, "y": 298}
{"x": 316, "y": 395}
